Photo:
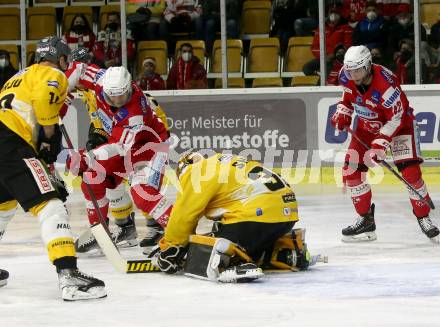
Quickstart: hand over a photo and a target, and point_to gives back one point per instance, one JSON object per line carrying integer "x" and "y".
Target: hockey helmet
{"x": 357, "y": 57}
{"x": 116, "y": 84}
{"x": 190, "y": 157}
{"x": 81, "y": 55}
{"x": 51, "y": 48}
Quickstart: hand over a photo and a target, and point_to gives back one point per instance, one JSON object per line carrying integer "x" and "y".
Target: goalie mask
{"x": 117, "y": 86}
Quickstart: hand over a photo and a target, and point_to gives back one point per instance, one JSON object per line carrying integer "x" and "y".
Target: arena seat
{"x": 429, "y": 13}
{"x": 156, "y": 49}
{"x": 233, "y": 83}
{"x": 256, "y": 19}
{"x": 235, "y": 58}
{"x": 10, "y": 18}
{"x": 41, "y": 22}
{"x": 268, "y": 82}
{"x": 298, "y": 53}
{"x": 304, "y": 81}
{"x": 264, "y": 58}
{"x": 51, "y": 3}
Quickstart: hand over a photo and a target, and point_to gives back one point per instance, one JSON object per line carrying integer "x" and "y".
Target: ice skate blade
{"x": 232, "y": 277}
{"x": 363, "y": 237}
{"x": 127, "y": 244}
{"x": 72, "y": 293}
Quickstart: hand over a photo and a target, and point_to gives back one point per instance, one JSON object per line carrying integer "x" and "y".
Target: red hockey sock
{"x": 360, "y": 191}
{"x": 413, "y": 175}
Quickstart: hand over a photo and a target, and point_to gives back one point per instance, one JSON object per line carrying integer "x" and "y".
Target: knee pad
{"x": 120, "y": 202}
{"x": 55, "y": 230}
{"x": 208, "y": 256}
{"x": 7, "y": 211}
{"x": 289, "y": 252}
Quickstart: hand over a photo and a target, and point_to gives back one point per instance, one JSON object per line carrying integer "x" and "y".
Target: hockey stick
{"x": 394, "y": 172}
{"x": 103, "y": 236}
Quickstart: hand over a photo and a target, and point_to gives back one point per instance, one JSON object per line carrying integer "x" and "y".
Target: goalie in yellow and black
{"x": 255, "y": 210}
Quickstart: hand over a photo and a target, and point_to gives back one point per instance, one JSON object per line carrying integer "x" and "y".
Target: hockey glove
{"x": 342, "y": 117}
{"x": 379, "y": 147}
{"x": 170, "y": 260}
{"x": 96, "y": 138}
{"x": 49, "y": 148}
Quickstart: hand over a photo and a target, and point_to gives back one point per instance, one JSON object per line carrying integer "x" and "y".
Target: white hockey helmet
{"x": 357, "y": 57}
{"x": 116, "y": 84}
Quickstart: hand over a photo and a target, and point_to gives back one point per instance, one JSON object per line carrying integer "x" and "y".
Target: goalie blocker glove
{"x": 4, "y": 275}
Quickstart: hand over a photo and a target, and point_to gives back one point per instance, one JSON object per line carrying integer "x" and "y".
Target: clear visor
{"x": 356, "y": 74}
{"x": 118, "y": 100}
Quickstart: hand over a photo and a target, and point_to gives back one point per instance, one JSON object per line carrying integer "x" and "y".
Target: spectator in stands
{"x": 305, "y": 25}
{"x": 335, "y": 34}
{"x": 378, "y": 57}
{"x": 107, "y": 49}
{"x": 80, "y": 35}
{"x": 144, "y": 18}
{"x": 211, "y": 17}
{"x": 283, "y": 11}
{"x": 183, "y": 16}
{"x": 372, "y": 31}
{"x": 390, "y": 8}
{"x": 403, "y": 28}
{"x": 353, "y": 11}
{"x": 6, "y": 68}
{"x": 150, "y": 80}
{"x": 404, "y": 67}
{"x": 336, "y": 65}
{"x": 187, "y": 72}
{"x": 434, "y": 36}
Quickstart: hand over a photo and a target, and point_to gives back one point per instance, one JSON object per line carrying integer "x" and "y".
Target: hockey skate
{"x": 125, "y": 235}
{"x": 429, "y": 229}
{"x": 4, "y": 275}
{"x": 153, "y": 235}
{"x": 86, "y": 243}
{"x": 363, "y": 229}
{"x": 243, "y": 273}
{"x": 76, "y": 285}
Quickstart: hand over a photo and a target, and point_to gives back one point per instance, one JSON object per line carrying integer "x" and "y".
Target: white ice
{"x": 394, "y": 281}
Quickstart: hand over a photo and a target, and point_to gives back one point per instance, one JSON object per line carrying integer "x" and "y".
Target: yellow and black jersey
{"x": 152, "y": 102}
{"x": 230, "y": 189}
{"x": 31, "y": 98}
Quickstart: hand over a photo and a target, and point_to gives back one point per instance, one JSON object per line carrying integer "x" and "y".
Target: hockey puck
{"x": 4, "y": 275}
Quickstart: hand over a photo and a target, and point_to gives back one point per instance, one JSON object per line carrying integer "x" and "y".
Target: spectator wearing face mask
{"x": 336, "y": 64}
{"x": 79, "y": 35}
{"x": 378, "y": 57}
{"x": 336, "y": 33}
{"x": 107, "y": 50}
{"x": 404, "y": 62}
{"x": 403, "y": 28}
{"x": 187, "y": 72}
{"x": 372, "y": 30}
{"x": 6, "y": 68}
{"x": 150, "y": 80}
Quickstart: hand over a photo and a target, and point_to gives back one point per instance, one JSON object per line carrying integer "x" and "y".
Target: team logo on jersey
{"x": 53, "y": 83}
{"x": 390, "y": 99}
{"x": 375, "y": 96}
{"x": 259, "y": 212}
{"x": 121, "y": 114}
{"x": 387, "y": 75}
{"x": 107, "y": 123}
{"x": 364, "y": 112}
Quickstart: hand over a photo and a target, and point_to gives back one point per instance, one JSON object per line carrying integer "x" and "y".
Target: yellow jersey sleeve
{"x": 49, "y": 96}
{"x": 197, "y": 192}
{"x": 158, "y": 110}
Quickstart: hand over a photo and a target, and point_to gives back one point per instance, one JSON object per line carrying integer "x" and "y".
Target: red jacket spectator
{"x": 354, "y": 10}
{"x": 150, "y": 80}
{"x": 335, "y": 67}
{"x": 390, "y": 8}
{"x": 334, "y": 35}
{"x": 187, "y": 72}
{"x": 80, "y": 34}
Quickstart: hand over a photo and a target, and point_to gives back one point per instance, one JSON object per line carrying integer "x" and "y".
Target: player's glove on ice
{"x": 96, "y": 138}
{"x": 342, "y": 117}
{"x": 379, "y": 147}
{"x": 170, "y": 260}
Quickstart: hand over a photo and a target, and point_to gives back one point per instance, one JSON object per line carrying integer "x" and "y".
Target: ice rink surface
{"x": 394, "y": 281}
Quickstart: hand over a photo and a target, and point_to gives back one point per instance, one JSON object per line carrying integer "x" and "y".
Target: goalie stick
{"x": 395, "y": 173}
{"x": 103, "y": 236}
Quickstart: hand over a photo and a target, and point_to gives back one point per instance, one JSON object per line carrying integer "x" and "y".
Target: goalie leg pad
{"x": 55, "y": 230}
{"x": 218, "y": 259}
{"x": 7, "y": 211}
